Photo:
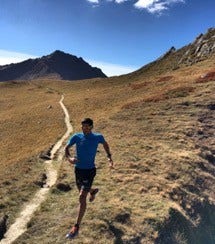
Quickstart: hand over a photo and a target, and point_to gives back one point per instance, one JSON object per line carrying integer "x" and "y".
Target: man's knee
{"x": 83, "y": 196}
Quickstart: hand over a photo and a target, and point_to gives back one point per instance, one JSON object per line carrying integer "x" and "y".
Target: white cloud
{"x": 152, "y": 6}
{"x": 120, "y": 1}
{"x": 117, "y": 1}
{"x": 8, "y": 57}
{"x": 93, "y": 1}
{"x": 112, "y": 69}
{"x": 156, "y": 6}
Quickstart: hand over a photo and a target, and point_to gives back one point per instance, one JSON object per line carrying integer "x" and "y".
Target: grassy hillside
{"x": 161, "y": 132}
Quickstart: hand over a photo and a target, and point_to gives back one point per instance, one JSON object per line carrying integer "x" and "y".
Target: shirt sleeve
{"x": 72, "y": 140}
{"x": 101, "y": 139}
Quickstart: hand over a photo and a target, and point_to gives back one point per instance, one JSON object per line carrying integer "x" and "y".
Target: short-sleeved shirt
{"x": 86, "y": 148}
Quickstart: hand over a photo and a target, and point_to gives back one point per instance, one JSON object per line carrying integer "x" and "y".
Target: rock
{"x": 208, "y": 156}
{"x": 212, "y": 105}
{"x": 3, "y": 226}
{"x": 123, "y": 218}
{"x": 44, "y": 156}
{"x": 63, "y": 187}
{"x": 42, "y": 180}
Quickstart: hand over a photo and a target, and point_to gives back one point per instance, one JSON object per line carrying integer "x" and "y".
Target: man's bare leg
{"x": 82, "y": 205}
{"x": 82, "y": 208}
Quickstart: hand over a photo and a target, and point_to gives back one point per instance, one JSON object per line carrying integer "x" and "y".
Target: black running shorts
{"x": 84, "y": 178}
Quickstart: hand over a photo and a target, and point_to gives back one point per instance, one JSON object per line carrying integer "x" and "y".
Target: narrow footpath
{"x": 20, "y": 224}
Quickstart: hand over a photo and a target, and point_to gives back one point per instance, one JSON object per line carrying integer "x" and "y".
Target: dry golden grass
{"x": 152, "y": 125}
{"x": 28, "y": 125}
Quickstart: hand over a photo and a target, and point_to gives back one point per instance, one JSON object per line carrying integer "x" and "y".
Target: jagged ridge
{"x": 58, "y": 64}
{"x": 201, "y": 49}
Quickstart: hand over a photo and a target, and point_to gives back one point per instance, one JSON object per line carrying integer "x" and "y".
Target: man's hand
{"x": 111, "y": 163}
{"x": 72, "y": 160}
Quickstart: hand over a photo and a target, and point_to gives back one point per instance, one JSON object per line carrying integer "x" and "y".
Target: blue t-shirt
{"x": 86, "y": 148}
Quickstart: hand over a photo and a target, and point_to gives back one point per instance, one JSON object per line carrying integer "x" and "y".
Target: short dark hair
{"x": 87, "y": 121}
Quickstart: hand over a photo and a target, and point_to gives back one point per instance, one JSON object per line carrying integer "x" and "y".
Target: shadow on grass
{"x": 178, "y": 229}
{"x": 135, "y": 240}
{"x": 116, "y": 232}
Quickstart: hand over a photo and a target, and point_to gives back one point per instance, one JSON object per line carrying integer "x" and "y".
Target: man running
{"x": 85, "y": 170}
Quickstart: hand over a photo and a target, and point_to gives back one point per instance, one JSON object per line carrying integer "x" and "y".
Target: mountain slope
{"x": 201, "y": 49}
{"x": 160, "y": 128}
{"x": 56, "y": 65}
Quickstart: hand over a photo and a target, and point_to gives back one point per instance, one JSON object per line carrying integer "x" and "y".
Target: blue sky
{"x": 118, "y": 36}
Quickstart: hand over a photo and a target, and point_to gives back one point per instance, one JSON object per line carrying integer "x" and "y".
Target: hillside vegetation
{"x": 160, "y": 126}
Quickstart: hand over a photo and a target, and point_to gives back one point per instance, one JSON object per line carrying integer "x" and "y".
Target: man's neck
{"x": 87, "y": 133}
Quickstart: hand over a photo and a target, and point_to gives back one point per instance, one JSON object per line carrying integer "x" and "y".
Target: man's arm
{"x": 71, "y": 159}
{"x": 109, "y": 156}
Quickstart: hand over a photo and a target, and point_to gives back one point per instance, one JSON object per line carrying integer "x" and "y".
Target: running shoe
{"x": 73, "y": 232}
{"x": 93, "y": 194}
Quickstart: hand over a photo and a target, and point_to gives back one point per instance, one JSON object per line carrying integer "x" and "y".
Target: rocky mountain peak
{"x": 202, "y": 48}
{"x": 57, "y": 64}
{"x": 57, "y": 55}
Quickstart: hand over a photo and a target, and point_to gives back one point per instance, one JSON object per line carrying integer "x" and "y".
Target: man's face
{"x": 86, "y": 128}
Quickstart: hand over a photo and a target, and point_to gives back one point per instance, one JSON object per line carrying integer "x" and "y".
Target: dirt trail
{"x": 20, "y": 224}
